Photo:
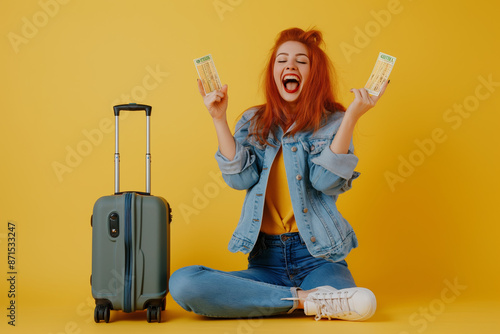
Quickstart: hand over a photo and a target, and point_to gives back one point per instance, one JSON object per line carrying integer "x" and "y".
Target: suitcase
{"x": 130, "y": 244}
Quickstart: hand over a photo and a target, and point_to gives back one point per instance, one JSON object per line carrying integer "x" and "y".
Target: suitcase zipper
{"x": 127, "y": 307}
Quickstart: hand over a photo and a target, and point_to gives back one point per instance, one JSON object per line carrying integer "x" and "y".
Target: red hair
{"x": 316, "y": 100}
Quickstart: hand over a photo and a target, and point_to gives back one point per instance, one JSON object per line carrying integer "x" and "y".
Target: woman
{"x": 294, "y": 156}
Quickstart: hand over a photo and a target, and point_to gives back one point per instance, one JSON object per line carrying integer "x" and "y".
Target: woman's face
{"x": 291, "y": 69}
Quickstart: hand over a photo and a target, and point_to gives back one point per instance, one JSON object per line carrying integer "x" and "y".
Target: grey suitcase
{"x": 130, "y": 244}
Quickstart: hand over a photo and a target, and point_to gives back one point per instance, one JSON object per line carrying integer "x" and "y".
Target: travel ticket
{"x": 380, "y": 73}
{"x": 208, "y": 73}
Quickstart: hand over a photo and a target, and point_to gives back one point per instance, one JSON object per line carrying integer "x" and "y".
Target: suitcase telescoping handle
{"x": 133, "y": 107}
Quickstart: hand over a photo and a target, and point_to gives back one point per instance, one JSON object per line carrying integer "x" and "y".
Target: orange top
{"x": 278, "y": 215}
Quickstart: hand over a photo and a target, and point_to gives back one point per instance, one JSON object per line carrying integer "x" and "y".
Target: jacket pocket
{"x": 251, "y": 140}
{"x": 314, "y": 146}
{"x": 327, "y": 216}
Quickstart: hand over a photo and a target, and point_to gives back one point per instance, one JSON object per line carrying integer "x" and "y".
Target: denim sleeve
{"x": 333, "y": 173}
{"x": 241, "y": 172}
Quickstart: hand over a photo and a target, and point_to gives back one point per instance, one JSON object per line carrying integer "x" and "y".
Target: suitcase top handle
{"x": 132, "y": 107}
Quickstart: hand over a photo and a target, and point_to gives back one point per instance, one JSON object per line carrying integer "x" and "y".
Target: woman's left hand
{"x": 363, "y": 102}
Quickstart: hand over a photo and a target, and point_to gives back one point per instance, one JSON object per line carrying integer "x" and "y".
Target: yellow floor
{"x": 394, "y": 316}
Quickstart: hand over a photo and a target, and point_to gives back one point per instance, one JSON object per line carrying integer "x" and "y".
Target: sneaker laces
{"x": 331, "y": 304}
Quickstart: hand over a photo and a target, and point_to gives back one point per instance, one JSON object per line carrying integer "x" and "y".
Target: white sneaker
{"x": 353, "y": 304}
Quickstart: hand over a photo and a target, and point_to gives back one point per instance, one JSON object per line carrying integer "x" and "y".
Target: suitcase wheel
{"x": 101, "y": 312}
{"x": 154, "y": 313}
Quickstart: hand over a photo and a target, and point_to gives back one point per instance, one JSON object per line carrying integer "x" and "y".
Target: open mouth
{"x": 291, "y": 83}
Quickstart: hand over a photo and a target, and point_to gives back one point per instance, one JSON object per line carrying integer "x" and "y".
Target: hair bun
{"x": 313, "y": 37}
{"x": 309, "y": 37}
{"x": 318, "y": 38}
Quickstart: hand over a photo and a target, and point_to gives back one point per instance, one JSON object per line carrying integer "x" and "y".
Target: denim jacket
{"x": 315, "y": 175}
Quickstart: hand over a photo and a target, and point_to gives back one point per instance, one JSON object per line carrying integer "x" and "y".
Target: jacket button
{"x": 299, "y": 177}
{"x": 305, "y": 210}
{"x": 312, "y": 147}
{"x": 313, "y": 239}
{"x": 294, "y": 149}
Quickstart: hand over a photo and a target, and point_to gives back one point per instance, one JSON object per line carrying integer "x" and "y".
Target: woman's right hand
{"x": 216, "y": 101}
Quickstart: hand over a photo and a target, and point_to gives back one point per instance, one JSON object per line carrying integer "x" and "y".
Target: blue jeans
{"x": 277, "y": 266}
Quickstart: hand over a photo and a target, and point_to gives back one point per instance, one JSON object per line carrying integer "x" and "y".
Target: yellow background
{"x": 79, "y": 58}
